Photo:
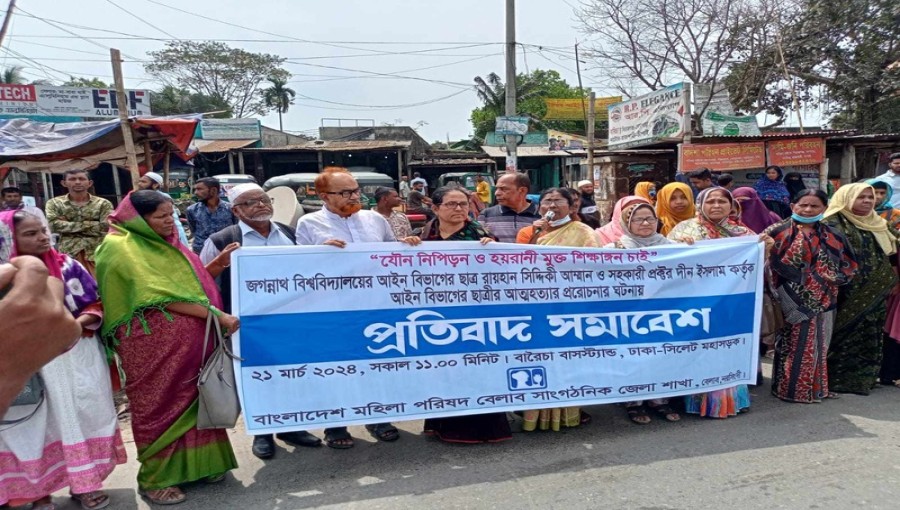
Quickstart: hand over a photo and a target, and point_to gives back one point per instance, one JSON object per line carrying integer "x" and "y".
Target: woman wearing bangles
{"x": 158, "y": 296}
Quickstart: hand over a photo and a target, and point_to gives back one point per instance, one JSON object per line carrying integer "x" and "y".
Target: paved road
{"x": 835, "y": 455}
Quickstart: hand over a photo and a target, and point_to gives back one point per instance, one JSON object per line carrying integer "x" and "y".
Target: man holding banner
{"x": 253, "y": 209}
{"x": 341, "y": 221}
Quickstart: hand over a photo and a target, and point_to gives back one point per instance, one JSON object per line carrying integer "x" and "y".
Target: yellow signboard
{"x": 574, "y": 109}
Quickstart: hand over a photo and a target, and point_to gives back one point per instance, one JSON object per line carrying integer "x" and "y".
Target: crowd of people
{"x": 134, "y": 295}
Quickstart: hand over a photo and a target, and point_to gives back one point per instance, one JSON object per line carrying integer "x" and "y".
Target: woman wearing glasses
{"x": 452, "y": 223}
{"x": 639, "y": 224}
{"x": 560, "y": 230}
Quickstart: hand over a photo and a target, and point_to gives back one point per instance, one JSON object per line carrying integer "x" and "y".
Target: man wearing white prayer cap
{"x": 589, "y": 213}
{"x": 255, "y": 227}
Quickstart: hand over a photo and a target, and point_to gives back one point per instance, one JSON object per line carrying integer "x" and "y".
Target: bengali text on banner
{"x": 387, "y": 332}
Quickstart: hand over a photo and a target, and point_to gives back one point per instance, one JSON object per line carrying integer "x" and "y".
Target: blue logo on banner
{"x": 526, "y": 378}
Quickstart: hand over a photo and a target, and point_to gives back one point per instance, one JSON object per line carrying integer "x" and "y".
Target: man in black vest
{"x": 255, "y": 227}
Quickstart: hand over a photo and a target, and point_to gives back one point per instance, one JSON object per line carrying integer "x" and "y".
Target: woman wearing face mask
{"x": 612, "y": 231}
{"x": 809, "y": 262}
{"x": 855, "y": 353}
{"x": 773, "y": 192}
{"x": 646, "y": 190}
{"x": 72, "y": 440}
{"x": 560, "y": 231}
{"x": 674, "y": 204}
{"x": 639, "y": 224}
{"x": 713, "y": 221}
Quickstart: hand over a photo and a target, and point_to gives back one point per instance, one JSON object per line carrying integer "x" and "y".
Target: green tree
{"x": 279, "y": 96}
{"x": 12, "y": 75}
{"x": 175, "y": 101}
{"x": 216, "y": 70}
{"x": 531, "y": 90}
{"x": 93, "y": 83}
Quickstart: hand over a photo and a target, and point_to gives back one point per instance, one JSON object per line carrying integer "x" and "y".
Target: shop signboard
{"x": 576, "y": 108}
{"x": 647, "y": 119}
{"x": 799, "y": 151}
{"x": 722, "y": 156}
{"x": 44, "y": 100}
{"x": 717, "y": 124}
{"x": 229, "y": 129}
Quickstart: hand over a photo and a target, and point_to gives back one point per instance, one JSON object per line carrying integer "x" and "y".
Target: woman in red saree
{"x": 159, "y": 296}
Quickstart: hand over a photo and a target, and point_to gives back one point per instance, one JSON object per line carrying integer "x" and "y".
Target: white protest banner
{"x": 46, "y": 100}
{"x": 384, "y": 332}
{"x": 647, "y": 119}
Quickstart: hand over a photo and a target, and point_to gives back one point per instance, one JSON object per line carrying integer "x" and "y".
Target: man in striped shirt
{"x": 513, "y": 210}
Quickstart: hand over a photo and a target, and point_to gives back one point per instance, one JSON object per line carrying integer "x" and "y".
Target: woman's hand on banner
{"x": 411, "y": 240}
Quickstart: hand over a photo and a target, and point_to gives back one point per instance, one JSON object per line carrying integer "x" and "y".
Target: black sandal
{"x": 384, "y": 432}
{"x": 666, "y": 412}
{"x": 639, "y": 414}
{"x": 332, "y": 438}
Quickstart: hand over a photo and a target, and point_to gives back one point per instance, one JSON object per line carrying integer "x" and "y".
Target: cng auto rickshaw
{"x": 467, "y": 180}
{"x": 304, "y": 185}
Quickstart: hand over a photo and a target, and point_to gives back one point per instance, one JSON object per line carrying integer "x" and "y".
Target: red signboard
{"x": 10, "y": 92}
{"x": 723, "y": 156}
{"x": 799, "y": 151}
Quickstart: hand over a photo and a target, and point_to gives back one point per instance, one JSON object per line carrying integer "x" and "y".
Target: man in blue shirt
{"x": 210, "y": 214}
{"x": 892, "y": 177}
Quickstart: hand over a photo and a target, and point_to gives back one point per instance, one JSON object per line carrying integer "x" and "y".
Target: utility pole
{"x": 5, "y": 27}
{"x": 590, "y": 136}
{"x": 512, "y": 160}
{"x": 122, "y": 102}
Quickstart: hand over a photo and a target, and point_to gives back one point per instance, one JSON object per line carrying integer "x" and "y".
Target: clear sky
{"x": 333, "y": 47}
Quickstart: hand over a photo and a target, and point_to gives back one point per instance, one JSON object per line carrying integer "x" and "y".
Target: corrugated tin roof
{"x": 531, "y": 152}
{"x": 206, "y": 146}
{"x": 341, "y": 145}
{"x": 452, "y": 162}
{"x": 781, "y": 134}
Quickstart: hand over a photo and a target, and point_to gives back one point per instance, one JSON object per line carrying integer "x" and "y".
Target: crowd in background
{"x": 142, "y": 295}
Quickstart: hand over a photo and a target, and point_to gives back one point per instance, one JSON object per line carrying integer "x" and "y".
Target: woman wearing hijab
{"x": 674, "y": 204}
{"x": 158, "y": 296}
{"x": 809, "y": 263}
{"x": 754, "y": 213}
{"x": 855, "y": 353}
{"x": 612, "y": 231}
{"x": 773, "y": 192}
{"x": 713, "y": 221}
{"x": 883, "y": 193}
{"x": 72, "y": 440}
{"x": 646, "y": 190}
{"x": 794, "y": 183}
{"x": 639, "y": 223}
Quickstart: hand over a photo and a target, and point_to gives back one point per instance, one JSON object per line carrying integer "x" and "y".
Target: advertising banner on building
{"x": 722, "y": 156}
{"x": 384, "y": 332}
{"x": 717, "y": 124}
{"x": 576, "y": 109}
{"x": 44, "y": 101}
{"x": 648, "y": 119}
{"x": 799, "y": 151}
{"x": 229, "y": 129}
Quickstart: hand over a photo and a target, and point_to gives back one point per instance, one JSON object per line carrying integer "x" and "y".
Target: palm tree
{"x": 279, "y": 96}
{"x": 12, "y": 75}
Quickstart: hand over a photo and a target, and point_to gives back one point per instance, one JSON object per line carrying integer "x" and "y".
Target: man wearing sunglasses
{"x": 253, "y": 209}
{"x": 341, "y": 221}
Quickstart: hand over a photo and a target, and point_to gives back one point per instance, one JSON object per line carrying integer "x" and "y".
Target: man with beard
{"x": 589, "y": 213}
{"x": 79, "y": 218}
{"x": 339, "y": 222}
{"x": 152, "y": 181}
{"x": 255, "y": 227}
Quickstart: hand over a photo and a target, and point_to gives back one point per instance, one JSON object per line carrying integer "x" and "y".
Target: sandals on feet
{"x": 92, "y": 500}
{"x": 384, "y": 432}
{"x": 339, "y": 439}
{"x": 639, "y": 414}
{"x": 167, "y": 496}
{"x": 666, "y": 412}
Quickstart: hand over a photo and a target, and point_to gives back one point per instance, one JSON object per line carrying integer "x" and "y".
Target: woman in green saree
{"x": 159, "y": 296}
{"x": 854, "y": 356}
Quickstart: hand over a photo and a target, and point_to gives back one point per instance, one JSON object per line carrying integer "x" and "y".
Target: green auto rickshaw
{"x": 467, "y": 180}
{"x": 304, "y": 185}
